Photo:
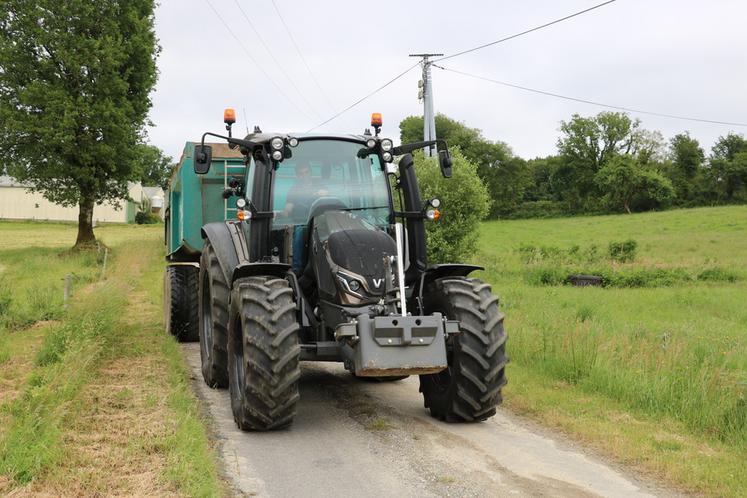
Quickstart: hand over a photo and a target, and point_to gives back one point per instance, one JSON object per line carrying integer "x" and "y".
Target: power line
{"x": 303, "y": 59}
{"x": 246, "y": 51}
{"x": 274, "y": 59}
{"x": 367, "y": 96}
{"x": 591, "y": 102}
{"x": 537, "y": 28}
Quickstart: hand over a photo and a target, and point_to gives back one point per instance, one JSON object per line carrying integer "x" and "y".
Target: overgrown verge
{"x": 68, "y": 359}
{"x": 107, "y": 407}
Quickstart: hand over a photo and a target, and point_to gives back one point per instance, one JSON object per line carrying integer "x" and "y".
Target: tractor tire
{"x": 214, "y": 296}
{"x": 180, "y": 302}
{"x": 470, "y": 388}
{"x": 263, "y": 354}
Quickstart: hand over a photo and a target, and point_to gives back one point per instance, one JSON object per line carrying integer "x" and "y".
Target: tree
{"x": 505, "y": 175}
{"x": 465, "y": 203}
{"x": 588, "y": 143}
{"x": 625, "y": 180}
{"x": 687, "y": 158}
{"x": 75, "y": 79}
{"x": 155, "y": 166}
{"x": 728, "y": 164}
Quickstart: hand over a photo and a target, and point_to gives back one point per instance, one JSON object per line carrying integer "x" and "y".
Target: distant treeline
{"x": 605, "y": 163}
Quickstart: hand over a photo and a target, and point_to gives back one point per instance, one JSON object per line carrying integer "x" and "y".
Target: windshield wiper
{"x": 362, "y": 208}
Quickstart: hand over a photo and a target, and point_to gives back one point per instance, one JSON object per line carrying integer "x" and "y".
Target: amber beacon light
{"x": 229, "y": 116}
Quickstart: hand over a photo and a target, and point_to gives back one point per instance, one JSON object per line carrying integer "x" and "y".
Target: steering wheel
{"x": 323, "y": 204}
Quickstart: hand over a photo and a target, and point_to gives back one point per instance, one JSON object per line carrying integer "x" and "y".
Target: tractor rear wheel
{"x": 180, "y": 302}
{"x": 263, "y": 354}
{"x": 470, "y": 388}
{"x": 214, "y": 294}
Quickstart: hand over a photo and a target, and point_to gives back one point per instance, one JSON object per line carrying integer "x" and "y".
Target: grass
{"x": 98, "y": 399}
{"x": 664, "y": 342}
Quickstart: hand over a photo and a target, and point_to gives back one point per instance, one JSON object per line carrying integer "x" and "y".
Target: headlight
{"x": 435, "y": 202}
{"x": 241, "y": 203}
{"x": 370, "y": 143}
{"x": 277, "y": 155}
{"x": 277, "y": 143}
{"x": 349, "y": 283}
{"x": 387, "y": 157}
{"x": 293, "y": 142}
{"x": 386, "y": 145}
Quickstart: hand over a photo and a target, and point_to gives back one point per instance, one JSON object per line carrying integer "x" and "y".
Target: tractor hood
{"x": 349, "y": 257}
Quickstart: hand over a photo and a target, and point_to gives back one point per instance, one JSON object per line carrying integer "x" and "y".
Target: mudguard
{"x": 435, "y": 272}
{"x": 229, "y": 244}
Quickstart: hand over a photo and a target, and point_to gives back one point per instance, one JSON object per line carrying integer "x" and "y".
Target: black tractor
{"x": 326, "y": 261}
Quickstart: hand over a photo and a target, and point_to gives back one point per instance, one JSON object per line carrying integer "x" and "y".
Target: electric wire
{"x": 300, "y": 54}
{"x": 591, "y": 102}
{"x": 536, "y": 28}
{"x": 367, "y": 96}
{"x": 254, "y": 61}
{"x": 275, "y": 60}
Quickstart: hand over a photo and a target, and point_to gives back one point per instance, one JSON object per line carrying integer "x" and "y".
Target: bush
{"x": 624, "y": 251}
{"x": 465, "y": 202}
{"x": 143, "y": 218}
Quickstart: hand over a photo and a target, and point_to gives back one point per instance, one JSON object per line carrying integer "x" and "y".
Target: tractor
{"x": 321, "y": 256}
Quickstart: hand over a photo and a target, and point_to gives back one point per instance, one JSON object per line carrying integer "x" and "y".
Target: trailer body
{"x": 195, "y": 200}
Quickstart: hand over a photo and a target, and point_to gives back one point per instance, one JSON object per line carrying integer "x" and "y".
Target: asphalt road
{"x": 357, "y": 438}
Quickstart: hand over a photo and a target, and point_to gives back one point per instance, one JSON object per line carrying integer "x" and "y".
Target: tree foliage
{"x": 155, "y": 167}
{"x": 465, "y": 202}
{"x": 75, "y": 79}
{"x": 625, "y": 180}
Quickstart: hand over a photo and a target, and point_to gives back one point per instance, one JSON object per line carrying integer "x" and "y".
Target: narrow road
{"x": 358, "y": 438}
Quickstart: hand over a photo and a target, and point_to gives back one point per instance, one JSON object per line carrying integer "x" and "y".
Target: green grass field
{"x": 665, "y": 340}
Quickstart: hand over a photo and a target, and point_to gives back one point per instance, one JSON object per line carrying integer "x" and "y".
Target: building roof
{"x": 7, "y": 181}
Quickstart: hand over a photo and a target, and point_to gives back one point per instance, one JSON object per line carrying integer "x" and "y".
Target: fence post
{"x": 103, "y": 267}
{"x": 68, "y": 289}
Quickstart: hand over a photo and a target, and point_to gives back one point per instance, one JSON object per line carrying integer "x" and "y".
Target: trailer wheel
{"x": 180, "y": 302}
{"x": 263, "y": 354}
{"x": 470, "y": 388}
{"x": 214, "y": 294}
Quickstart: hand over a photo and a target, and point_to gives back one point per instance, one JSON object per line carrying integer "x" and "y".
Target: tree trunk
{"x": 627, "y": 207}
{"x": 85, "y": 222}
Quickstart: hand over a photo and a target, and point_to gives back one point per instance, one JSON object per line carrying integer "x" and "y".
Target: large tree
{"x": 75, "y": 79}
{"x": 155, "y": 166}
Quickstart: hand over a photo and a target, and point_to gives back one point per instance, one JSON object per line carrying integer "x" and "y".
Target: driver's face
{"x": 304, "y": 172}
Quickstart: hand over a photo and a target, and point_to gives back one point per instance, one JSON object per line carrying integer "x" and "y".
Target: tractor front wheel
{"x": 263, "y": 354}
{"x": 470, "y": 388}
{"x": 213, "y": 306}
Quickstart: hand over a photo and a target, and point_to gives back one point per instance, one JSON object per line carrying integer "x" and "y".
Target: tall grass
{"x": 67, "y": 361}
{"x": 667, "y": 336}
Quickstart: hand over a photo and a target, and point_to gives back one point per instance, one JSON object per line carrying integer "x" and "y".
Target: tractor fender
{"x": 264, "y": 269}
{"x": 435, "y": 272}
{"x": 229, "y": 243}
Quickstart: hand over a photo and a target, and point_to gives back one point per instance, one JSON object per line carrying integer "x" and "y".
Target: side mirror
{"x": 203, "y": 158}
{"x": 444, "y": 161}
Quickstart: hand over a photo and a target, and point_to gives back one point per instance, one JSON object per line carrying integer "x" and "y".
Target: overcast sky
{"x": 668, "y": 56}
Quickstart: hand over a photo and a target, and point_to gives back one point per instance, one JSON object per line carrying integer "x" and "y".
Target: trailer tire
{"x": 213, "y": 329}
{"x": 180, "y": 302}
{"x": 263, "y": 354}
{"x": 470, "y": 388}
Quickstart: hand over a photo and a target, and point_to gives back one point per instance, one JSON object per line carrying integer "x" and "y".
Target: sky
{"x": 674, "y": 57}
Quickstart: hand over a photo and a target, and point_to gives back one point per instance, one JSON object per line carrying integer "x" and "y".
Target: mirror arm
{"x": 233, "y": 141}
{"x": 407, "y": 148}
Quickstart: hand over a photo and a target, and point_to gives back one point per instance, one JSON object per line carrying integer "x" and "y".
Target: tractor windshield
{"x": 328, "y": 174}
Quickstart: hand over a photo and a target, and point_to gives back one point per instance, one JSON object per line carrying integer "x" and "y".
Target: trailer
{"x": 193, "y": 201}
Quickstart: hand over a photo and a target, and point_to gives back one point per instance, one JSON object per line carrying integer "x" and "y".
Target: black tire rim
{"x": 238, "y": 370}
{"x": 206, "y": 338}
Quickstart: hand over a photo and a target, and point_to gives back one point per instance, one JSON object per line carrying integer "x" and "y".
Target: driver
{"x": 301, "y": 195}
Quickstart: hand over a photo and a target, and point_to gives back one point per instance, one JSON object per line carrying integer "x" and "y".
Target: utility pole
{"x": 426, "y": 93}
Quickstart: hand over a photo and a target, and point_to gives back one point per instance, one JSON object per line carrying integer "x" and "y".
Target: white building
{"x": 19, "y": 203}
